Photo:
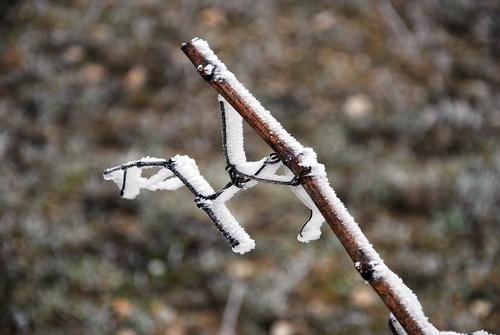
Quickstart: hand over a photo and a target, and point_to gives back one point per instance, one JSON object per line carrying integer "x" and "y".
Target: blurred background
{"x": 400, "y": 99}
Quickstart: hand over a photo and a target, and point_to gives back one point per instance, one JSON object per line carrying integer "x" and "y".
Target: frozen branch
{"x": 400, "y": 300}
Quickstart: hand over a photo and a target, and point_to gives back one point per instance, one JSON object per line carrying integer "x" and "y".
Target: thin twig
{"x": 398, "y": 297}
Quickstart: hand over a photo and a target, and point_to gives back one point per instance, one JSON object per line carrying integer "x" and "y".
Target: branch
{"x": 398, "y": 297}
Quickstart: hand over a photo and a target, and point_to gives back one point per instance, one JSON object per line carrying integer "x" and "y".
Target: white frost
{"x": 231, "y": 226}
{"x": 208, "y": 69}
{"x": 134, "y": 182}
{"x": 189, "y": 170}
{"x": 312, "y": 229}
{"x": 236, "y": 154}
{"x": 234, "y": 133}
{"x": 222, "y": 73}
{"x": 479, "y": 332}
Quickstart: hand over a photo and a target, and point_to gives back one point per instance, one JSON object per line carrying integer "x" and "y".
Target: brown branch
{"x": 364, "y": 263}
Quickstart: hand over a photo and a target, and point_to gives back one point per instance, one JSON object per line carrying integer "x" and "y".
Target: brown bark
{"x": 386, "y": 293}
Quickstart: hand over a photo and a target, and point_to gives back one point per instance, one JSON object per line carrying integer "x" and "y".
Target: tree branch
{"x": 211, "y": 71}
{"x": 398, "y": 298}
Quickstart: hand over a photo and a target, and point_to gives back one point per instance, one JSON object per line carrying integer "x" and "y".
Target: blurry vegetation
{"x": 400, "y": 99}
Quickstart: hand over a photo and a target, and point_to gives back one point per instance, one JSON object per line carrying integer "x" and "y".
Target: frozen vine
{"x": 181, "y": 171}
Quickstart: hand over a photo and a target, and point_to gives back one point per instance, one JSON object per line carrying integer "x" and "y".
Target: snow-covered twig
{"x": 400, "y": 300}
{"x": 174, "y": 173}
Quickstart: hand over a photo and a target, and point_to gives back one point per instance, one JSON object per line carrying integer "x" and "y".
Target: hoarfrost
{"x": 182, "y": 170}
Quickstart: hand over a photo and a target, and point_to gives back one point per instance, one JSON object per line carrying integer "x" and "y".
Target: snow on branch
{"x": 318, "y": 195}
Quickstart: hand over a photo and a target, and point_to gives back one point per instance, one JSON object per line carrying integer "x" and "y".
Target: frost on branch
{"x": 174, "y": 173}
{"x": 182, "y": 170}
{"x": 397, "y": 329}
{"x": 397, "y": 296}
{"x": 128, "y": 177}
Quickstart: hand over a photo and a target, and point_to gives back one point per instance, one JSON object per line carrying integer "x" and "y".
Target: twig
{"x": 406, "y": 311}
{"x": 398, "y": 297}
